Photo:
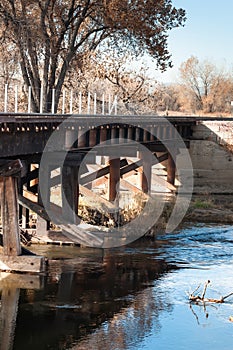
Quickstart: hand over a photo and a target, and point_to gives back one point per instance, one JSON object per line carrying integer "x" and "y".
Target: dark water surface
{"x": 130, "y": 298}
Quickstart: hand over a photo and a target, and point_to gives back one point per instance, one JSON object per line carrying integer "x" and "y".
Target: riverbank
{"x": 211, "y": 209}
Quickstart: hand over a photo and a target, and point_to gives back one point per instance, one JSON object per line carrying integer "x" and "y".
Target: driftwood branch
{"x": 201, "y": 299}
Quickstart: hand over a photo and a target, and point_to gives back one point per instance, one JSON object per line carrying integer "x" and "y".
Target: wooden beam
{"x": 70, "y": 193}
{"x": 131, "y": 187}
{"x": 10, "y": 167}
{"x": 160, "y": 181}
{"x": 9, "y": 214}
{"x": 23, "y": 281}
{"x": 114, "y": 179}
{"x": 99, "y": 173}
{"x": 139, "y": 163}
{"x": 22, "y": 263}
{"x": 30, "y": 176}
{"x": 171, "y": 170}
{"x": 146, "y": 171}
{"x": 124, "y": 182}
{"x": 72, "y": 231}
{"x": 110, "y": 207}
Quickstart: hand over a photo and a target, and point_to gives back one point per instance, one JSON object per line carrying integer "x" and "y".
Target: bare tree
{"x": 50, "y": 34}
{"x": 197, "y": 78}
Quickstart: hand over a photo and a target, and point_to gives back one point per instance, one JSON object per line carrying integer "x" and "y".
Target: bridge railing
{"x": 71, "y": 101}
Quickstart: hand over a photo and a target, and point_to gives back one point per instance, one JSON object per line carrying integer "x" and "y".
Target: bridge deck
{"x": 24, "y": 134}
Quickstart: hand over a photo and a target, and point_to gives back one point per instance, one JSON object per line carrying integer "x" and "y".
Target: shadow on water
{"x": 123, "y": 298}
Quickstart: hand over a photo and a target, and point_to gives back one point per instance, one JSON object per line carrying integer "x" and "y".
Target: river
{"x": 132, "y": 297}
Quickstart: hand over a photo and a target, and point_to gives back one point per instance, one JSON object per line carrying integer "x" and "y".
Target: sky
{"x": 207, "y": 34}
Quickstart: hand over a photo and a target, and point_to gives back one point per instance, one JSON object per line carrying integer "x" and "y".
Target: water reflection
{"x": 126, "y": 298}
{"x": 80, "y": 294}
{"x": 10, "y": 285}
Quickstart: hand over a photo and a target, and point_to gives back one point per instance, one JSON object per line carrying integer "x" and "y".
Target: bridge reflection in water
{"x": 80, "y": 294}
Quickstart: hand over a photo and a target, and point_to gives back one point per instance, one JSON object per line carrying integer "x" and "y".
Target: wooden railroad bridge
{"x": 33, "y": 146}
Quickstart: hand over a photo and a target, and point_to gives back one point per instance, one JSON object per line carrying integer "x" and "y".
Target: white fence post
{"x": 53, "y": 101}
{"x": 29, "y": 98}
{"x": 71, "y": 101}
{"x": 113, "y": 106}
{"x": 5, "y": 97}
{"x": 107, "y": 105}
{"x": 63, "y": 101}
{"x": 88, "y": 102}
{"x": 16, "y": 98}
{"x": 103, "y": 105}
{"x": 41, "y": 99}
{"x": 80, "y": 103}
{"x": 94, "y": 112}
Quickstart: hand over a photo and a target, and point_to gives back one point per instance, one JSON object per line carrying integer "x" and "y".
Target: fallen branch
{"x": 201, "y": 299}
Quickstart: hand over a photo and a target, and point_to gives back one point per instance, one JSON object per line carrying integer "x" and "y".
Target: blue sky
{"x": 208, "y": 34}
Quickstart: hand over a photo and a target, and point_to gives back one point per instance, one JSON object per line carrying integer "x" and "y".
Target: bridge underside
{"x": 94, "y": 165}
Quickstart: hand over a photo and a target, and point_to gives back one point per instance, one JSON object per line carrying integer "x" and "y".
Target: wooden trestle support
{"x": 116, "y": 172}
{"x": 25, "y": 190}
{"x": 12, "y": 257}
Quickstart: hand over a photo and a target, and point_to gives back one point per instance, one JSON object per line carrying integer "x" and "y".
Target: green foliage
{"x": 202, "y": 204}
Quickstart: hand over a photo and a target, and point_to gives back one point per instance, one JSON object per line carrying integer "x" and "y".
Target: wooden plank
{"x": 134, "y": 166}
{"x": 10, "y": 167}
{"x": 22, "y": 281}
{"x": 36, "y": 208}
{"x": 22, "y": 263}
{"x": 30, "y": 176}
{"x": 109, "y": 207}
{"x": 131, "y": 187}
{"x": 73, "y": 232}
{"x": 124, "y": 182}
{"x": 9, "y": 214}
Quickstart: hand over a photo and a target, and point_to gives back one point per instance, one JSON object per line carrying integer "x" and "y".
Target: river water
{"x": 133, "y": 297}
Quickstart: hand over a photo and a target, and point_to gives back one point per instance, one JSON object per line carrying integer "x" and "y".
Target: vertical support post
{"x": 114, "y": 179}
{"x": 171, "y": 169}
{"x": 145, "y": 175}
{"x": 9, "y": 214}
{"x": 23, "y": 212}
{"x": 42, "y": 226}
{"x": 70, "y": 193}
{"x": 25, "y": 217}
{"x": 70, "y": 138}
